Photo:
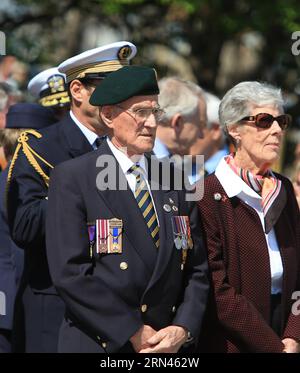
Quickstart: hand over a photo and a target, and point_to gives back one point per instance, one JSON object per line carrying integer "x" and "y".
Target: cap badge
{"x": 124, "y": 52}
{"x": 56, "y": 83}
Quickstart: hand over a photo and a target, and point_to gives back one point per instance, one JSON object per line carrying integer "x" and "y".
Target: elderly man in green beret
{"x": 125, "y": 257}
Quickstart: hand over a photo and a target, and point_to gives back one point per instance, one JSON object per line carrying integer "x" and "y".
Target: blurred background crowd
{"x": 213, "y": 43}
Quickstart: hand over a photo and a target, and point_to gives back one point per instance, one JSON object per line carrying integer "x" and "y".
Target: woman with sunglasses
{"x": 251, "y": 227}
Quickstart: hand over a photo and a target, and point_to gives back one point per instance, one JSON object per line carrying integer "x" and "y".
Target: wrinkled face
{"x": 130, "y": 129}
{"x": 260, "y": 146}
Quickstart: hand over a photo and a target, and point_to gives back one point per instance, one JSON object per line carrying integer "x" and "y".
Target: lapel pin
{"x": 167, "y": 208}
{"x": 170, "y": 200}
{"x": 175, "y": 208}
{"x": 217, "y": 197}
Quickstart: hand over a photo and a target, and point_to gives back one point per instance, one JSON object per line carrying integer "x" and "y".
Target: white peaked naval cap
{"x": 49, "y": 87}
{"x": 98, "y": 61}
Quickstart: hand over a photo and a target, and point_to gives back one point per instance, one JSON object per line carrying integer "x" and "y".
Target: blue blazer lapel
{"x": 76, "y": 142}
{"x": 161, "y": 199}
{"x": 166, "y": 197}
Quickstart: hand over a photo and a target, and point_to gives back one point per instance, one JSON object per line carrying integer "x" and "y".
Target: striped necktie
{"x": 145, "y": 203}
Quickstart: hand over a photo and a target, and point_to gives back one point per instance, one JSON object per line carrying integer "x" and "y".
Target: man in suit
{"x": 184, "y": 118}
{"x": 213, "y": 145}
{"x": 126, "y": 258}
{"x": 77, "y": 133}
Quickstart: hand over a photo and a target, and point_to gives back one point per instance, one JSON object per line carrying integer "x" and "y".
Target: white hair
{"x": 176, "y": 96}
{"x": 239, "y": 101}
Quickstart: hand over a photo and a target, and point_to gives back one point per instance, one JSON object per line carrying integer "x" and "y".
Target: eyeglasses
{"x": 264, "y": 120}
{"x": 143, "y": 114}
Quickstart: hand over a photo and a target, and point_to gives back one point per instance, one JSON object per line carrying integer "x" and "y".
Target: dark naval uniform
{"x": 11, "y": 267}
{"x": 109, "y": 296}
{"x": 27, "y": 204}
{"x": 21, "y": 116}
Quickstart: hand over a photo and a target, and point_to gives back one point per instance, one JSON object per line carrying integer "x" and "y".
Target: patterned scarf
{"x": 270, "y": 189}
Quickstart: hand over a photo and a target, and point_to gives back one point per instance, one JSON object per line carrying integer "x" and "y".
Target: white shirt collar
{"x": 124, "y": 161}
{"x": 90, "y": 135}
{"x": 231, "y": 182}
{"x": 160, "y": 149}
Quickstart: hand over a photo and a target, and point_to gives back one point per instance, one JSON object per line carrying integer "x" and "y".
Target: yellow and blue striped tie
{"x": 145, "y": 203}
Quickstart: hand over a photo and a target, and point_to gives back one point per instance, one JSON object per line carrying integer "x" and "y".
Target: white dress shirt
{"x": 90, "y": 135}
{"x": 126, "y": 163}
{"x": 235, "y": 186}
{"x": 160, "y": 149}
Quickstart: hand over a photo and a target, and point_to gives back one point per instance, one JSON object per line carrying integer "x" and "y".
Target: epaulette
{"x": 31, "y": 156}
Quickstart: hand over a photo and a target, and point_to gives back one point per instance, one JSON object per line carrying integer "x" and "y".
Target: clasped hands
{"x": 166, "y": 340}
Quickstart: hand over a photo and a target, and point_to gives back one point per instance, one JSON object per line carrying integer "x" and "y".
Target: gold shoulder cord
{"x": 29, "y": 153}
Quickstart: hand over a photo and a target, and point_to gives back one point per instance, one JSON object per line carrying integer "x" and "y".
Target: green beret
{"x": 124, "y": 83}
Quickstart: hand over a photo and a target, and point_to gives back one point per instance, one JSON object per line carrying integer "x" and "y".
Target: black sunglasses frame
{"x": 269, "y": 120}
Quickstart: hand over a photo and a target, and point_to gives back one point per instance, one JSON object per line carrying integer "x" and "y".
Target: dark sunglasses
{"x": 264, "y": 120}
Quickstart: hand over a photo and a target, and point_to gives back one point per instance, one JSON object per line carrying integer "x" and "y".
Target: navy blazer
{"x": 106, "y": 304}
{"x": 11, "y": 261}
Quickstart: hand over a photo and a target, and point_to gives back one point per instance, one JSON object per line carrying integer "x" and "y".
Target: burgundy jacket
{"x": 238, "y": 313}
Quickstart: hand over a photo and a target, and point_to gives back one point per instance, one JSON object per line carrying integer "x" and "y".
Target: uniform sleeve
{"x": 100, "y": 311}
{"x": 243, "y": 323}
{"x": 26, "y": 204}
{"x": 8, "y": 283}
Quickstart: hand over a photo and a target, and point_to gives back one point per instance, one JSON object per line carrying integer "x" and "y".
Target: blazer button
{"x": 103, "y": 344}
{"x": 123, "y": 266}
{"x": 144, "y": 307}
{"x": 174, "y": 309}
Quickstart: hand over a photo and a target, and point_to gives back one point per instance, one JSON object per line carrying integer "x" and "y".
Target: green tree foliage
{"x": 215, "y": 42}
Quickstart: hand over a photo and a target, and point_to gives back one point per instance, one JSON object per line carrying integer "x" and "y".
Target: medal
{"x": 102, "y": 235}
{"x": 182, "y": 236}
{"x": 188, "y": 231}
{"x": 184, "y": 242}
{"x": 184, "y": 256}
{"x": 115, "y": 236}
{"x": 177, "y": 242}
{"x": 92, "y": 236}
